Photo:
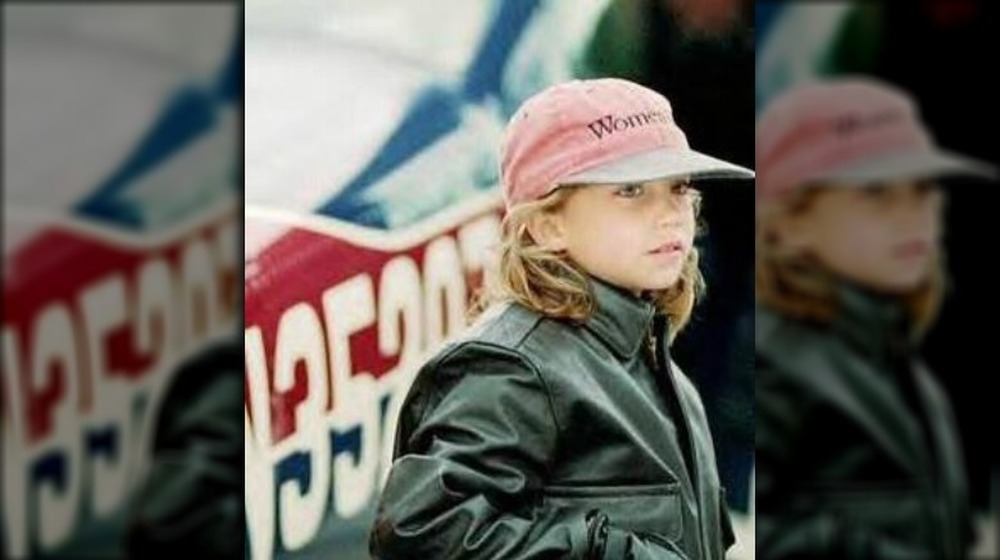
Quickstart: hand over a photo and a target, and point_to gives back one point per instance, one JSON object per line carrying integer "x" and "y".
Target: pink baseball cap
{"x": 605, "y": 130}
{"x": 853, "y": 131}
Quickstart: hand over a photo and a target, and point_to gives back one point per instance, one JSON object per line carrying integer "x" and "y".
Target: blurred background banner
{"x": 120, "y": 243}
{"x": 372, "y": 204}
{"x": 934, "y": 51}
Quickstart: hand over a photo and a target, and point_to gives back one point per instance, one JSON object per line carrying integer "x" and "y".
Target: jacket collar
{"x": 875, "y": 323}
{"x": 621, "y": 319}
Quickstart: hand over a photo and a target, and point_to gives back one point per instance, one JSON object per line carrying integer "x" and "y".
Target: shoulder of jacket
{"x": 520, "y": 330}
{"x": 499, "y": 332}
{"x": 781, "y": 340}
{"x": 506, "y": 325}
{"x": 496, "y": 338}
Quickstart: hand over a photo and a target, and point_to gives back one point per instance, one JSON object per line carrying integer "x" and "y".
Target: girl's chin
{"x": 659, "y": 285}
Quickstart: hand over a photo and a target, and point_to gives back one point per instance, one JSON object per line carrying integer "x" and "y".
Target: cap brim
{"x": 660, "y": 164}
{"x": 922, "y": 164}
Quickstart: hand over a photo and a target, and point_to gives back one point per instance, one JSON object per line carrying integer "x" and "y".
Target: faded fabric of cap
{"x": 598, "y": 131}
{"x": 850, "y": 131}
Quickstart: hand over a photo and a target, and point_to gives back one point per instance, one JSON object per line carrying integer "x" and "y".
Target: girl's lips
{"x": 911, "y": 249}
{"x": 669, "y": 248}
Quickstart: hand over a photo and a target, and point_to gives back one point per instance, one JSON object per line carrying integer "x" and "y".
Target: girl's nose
{"x": 670, "y": 206}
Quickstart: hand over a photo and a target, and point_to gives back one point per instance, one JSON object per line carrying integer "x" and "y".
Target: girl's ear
{"x": 548, "y": 230}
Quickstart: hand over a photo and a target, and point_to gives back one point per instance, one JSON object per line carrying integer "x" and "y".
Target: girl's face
{"x": 636, "y": 236}
{"x": 884, "y": 237}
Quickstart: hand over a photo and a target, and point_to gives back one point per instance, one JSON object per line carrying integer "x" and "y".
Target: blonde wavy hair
{"x": 552, "y": 284}
{"x": 797, "y": 285}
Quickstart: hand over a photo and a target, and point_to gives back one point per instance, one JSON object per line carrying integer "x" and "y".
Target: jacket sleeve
{"x": 476, "y": 441}
{"x": 192, "y": 497}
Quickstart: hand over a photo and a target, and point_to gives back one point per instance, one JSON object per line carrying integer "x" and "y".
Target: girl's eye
{"x": 875, "y": 192}
{"x": 928, "y": 187}
{"x": 630, "y": 191}
{"x": 681, "y": 188}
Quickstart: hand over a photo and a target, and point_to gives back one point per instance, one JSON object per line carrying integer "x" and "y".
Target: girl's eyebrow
{"x": 673, "y": 181}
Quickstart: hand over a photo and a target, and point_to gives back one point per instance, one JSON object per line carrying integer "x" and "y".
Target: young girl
{"x": 558, "y": 427}
{"x": 857, "y": 451}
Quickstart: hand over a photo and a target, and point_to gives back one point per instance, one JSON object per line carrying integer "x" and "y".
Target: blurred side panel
{"x": 120, "y": 243}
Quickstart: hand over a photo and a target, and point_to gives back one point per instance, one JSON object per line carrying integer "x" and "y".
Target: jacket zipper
{"x": 662, "y": 375}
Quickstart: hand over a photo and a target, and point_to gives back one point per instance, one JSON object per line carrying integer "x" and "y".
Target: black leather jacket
{"x": 192, "y": 498}
{"x": 857, "y": 451}
{"x": 536, "y": 438}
